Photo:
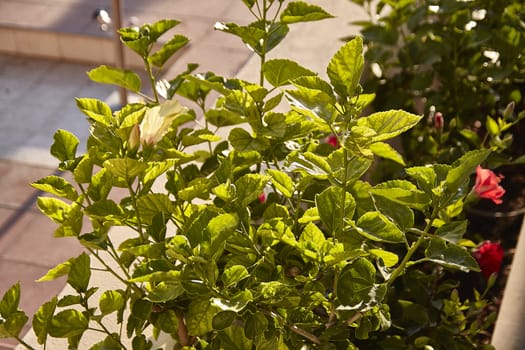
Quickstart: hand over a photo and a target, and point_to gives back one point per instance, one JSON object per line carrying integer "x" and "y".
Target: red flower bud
{"x": 489, "y": 257}
{"x": 333, "y": 141}
{"x": 438, "y": 121}
{"x": 487, "y": 185}
{"x": 262, "y": 197}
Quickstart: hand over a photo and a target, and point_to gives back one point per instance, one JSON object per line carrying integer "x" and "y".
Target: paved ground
{"x": 37, "y": 98}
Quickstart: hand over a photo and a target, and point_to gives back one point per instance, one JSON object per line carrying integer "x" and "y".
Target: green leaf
{"x": 100, "y": 185}
{"x": 451, "y": 255}
{"x": 13, "y": 324}
{"x": 403, "y": 192}
{"x": 316, "y": 104}
{"x": 54, "y": 208}
{"x": 42, "y": 320}
{"x": 299, "y": 11}
{"x": 258, "y": 36}
{"x": 463, "y": 167}
{"x": 452, "y": 231}
{"x": 121, "y": 77}
{"x": 233, "y": 275}
{"x": 384, "y": 150}
{"x": 389, "y": 124}
{"x": 241, "y": 140}
{"x": 60, "y": 270}
{"x": 68, "y": 323}
{"x": 375, "y": 226}
{"x": 223, "y": 117}
{"x": 84, "y": 170}
{"x": 199, "y": 318}
{"x": 65, "y": 145}
{"x": 79, "y": 273}
{"x": 223, "y": 319}
{"x": 167, "y": 50}
{"x": 151, "y": 204}
{"x": 57, "y": 186}
{"x": 249, "y": 3}
{"x": 312, "y": 241}
{"x": 346, "y": 66}
{"x": 282, "y": 182}
{"x": 333, "y": 209}
{"x": 280, "y": 72}
{"x": 389, "y": 259}
{"x": 10, "y": 301}
{"x": 125, "y": 168}
{"x": 96, "y": 110}
{"x": 233, "y": 338}
{"x": 165, "y": 291}
{"x": 160, "y": 27}
{"x": 355, "y": 282}
{"x": 222, "y": 223}
{"x": 111, "y": 301}
{"x": 249, "y": 187}
{"x": 197, "y": 188}
{"x": 105, "y": 208}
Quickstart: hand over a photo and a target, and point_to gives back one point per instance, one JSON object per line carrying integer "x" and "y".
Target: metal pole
{"x": 119, "y": 47}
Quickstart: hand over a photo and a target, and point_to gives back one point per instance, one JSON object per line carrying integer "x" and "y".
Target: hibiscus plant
{"x": 246, "y": 227}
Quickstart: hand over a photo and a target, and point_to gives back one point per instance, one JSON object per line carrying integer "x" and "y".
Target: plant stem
{"x": 413, "y": 249}
{"x": 151, "y": 79}
{"x": 21, "y": 341}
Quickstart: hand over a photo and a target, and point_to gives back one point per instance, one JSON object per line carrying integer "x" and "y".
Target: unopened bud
{"x": 509, "y": 110}
{"x": 134, "y": 137}
{"x": 438, "y": 121}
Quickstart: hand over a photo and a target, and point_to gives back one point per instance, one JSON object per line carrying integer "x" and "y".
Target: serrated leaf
{"x": 452, "y": 231}
{"x": 463, "y": 167}
{"x": 54, "y": 208}
{"x": 316, "y": 104}
{"x": 280, "y": 72}
{"x": 451, "y": 255}
{"x": 249, "y": 187}
{"x": 199, "y": 318}
{"x": 375, "y": 226}
{"x": 60, "y": 270}
{"x": 403, "y": 192}
{"x": 84, "y": 170}
{"x": 384, "y": 150}
{"x": 105, "y": 208}
{"x": 282, "y": 182}
{"x": 56, "y": 185}
{"x": 389, "y": 124}
{"x": 160, "y": 27}
{"x": 223, "y": 319}
{"x": 65, "y": 145}
{"x": 389, "y": 259}
{"x": 233, "y": 275}
{"x": 125, "y": 168}
{"x": 223, "y": 117}
{"x": 13, "y": 324}
{"x": 346, "y": 66}
{"x": 79, "y": 273}
{"x": 300, "y": 11}
{"x": 95, "y": 109}
{"x": 111, "y": 301}
{"x": 42, "y": 320}
{"x": 241, "y": 140}
{"x": 121, "y": 77}
{"x": 333, "y": 207}
{"x": 167, "y": 50}
{"x": 68, "y": 323}
{"x": 10, "y": 301}
{"x": 355, "y": 282}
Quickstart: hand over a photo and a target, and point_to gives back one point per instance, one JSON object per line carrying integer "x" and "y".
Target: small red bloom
{"x": 438, "y": 121}
{"x": 333, "y": 141}
{"x": 487, "y": 185}
{"x": 489, "y": 257}
{"x": 262, "y": 197}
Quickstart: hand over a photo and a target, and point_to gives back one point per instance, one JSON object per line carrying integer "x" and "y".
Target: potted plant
{"x": 269, "y": 239}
